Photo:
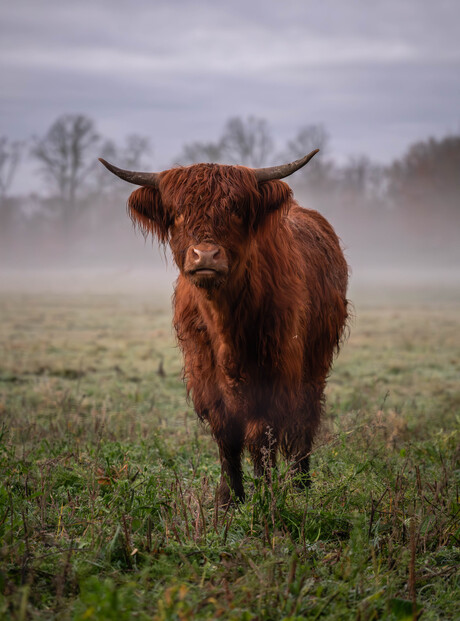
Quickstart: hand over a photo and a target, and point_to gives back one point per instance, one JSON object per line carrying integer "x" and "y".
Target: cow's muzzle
{"x": 206, "y": 263}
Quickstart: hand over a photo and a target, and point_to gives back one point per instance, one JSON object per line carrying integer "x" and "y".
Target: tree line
{"x": 415, "y": 198}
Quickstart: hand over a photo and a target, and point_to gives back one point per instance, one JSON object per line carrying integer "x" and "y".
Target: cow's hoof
{"x": 226, "y": 497}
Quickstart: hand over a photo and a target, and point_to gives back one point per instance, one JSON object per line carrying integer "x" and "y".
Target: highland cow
{"x": 259, "y": 305}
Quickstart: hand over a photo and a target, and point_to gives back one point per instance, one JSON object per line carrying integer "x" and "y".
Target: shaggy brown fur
{"x": 259, "y": 336}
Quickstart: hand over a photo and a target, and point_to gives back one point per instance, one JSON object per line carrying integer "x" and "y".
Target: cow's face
{"x": 209, "y": 215}
{"x": 203, "y": 260}
{"x": 209, "y": 236}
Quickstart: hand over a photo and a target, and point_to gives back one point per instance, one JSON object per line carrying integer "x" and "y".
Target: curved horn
{"x": 279, "y": 172}
{"x": 138, "y": 178}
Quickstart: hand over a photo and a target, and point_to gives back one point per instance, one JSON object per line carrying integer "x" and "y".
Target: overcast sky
{"x": 378, "y": 75}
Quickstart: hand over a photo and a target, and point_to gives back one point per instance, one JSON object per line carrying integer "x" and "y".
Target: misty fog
{"x": 399, "y": 224}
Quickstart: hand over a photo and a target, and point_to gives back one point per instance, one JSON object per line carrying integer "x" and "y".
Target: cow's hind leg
{"x": 299, "y": 433}
{"x": 302, "y": 467}
{"x": 296, "y": 447}
{"x": 230, "y": 445}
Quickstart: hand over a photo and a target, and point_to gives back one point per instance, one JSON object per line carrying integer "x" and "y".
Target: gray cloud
{"x": 378, "y": 76}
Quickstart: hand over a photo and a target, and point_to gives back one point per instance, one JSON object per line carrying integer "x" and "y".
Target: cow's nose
{"x": 208, "y": 255}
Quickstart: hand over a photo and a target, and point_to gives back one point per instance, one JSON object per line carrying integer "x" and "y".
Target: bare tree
{"x": 247, "y": 142}
{"x": 131, "y": 155}
{"x": 308, "y": 137}
{"x": 10, "y": 155}
{"x": 63, "y": 154}
{"x": 136, "y": 147}
{"x": 320, "y": 172}
{"x": 363, "y": 181}
{"x": 428, "y": 175}
{"x": 196, "y": 152}
{"x": 424, "y": 188}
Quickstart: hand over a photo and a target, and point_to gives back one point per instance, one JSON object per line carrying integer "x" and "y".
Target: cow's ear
{"x": 147, "y": 211}
{"x": 274, "y": 195}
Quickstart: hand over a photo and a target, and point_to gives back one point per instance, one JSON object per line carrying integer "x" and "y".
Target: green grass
{"x": 107, "y": 505}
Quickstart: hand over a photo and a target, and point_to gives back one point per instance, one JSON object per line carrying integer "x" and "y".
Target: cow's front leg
{"x": 231, "y": 482}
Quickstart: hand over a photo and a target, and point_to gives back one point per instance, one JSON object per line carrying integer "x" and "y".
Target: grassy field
{"x": 107, "y": 506}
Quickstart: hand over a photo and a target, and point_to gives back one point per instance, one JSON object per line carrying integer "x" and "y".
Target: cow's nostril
{"x": 205, "y": 255}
